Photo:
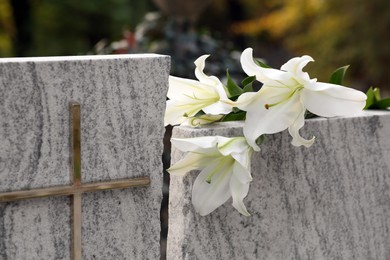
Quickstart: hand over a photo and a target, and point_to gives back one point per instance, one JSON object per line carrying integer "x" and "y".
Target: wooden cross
{"x": 77, "y": 188}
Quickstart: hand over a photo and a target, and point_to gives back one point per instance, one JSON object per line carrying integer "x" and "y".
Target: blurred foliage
{"x": 375, "y": 101}
{"x": 68, "y": 27}
{"x": 334, "y": 32}
{"x": 157, "y": 33}
{"x": 83, "y": 23}
{"x": 7, "y": 30}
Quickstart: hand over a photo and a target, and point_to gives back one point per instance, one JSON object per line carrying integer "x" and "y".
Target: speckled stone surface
{"x": 329, "y": 201}
{"x": 122, "y": 101}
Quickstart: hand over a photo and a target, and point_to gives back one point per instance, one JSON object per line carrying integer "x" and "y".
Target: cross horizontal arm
{"x": 70, "y": 190}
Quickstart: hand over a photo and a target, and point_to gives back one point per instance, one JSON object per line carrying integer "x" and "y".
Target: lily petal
{"x": 187, "y": 98}
{"x": 241, "y": 152}
{"x": 246, "y": 99}
{"x": 180, "y": 87}
{"x": 227, "y": 146}
{"x": 176, "y": 112}
{"x": 298, "y": 140}
{"x": 173, "y": 115}
{"x": 196, "y": 144}
{"x": 296, "y": 65}
{"x": 243, "y": 174}
{"x": 209, "y": 80}
{"x": 330, "y": 100}
{"x": 206, "y": 195}
{"x": 218, "y": 108}
{"x": 260, "y": 120}
{"x": 200, "y": 64}
{"x": 239, "y": 191}
{"x": 191, "y": 161}
{"x": 243, "y": 165}
{"x": 267, "y": 76}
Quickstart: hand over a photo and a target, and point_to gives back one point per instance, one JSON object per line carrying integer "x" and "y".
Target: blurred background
{"x": 334, "y": 32}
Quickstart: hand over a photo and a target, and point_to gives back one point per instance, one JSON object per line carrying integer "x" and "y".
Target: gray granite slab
{"x": 122, "y": 101}
{"x": 329, "y": 201}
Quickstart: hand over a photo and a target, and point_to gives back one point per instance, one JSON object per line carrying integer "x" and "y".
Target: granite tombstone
{"x": 329, "y": 201}
{"x": 116, "y": 104}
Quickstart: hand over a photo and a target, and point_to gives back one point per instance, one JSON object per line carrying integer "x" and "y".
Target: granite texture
{"x": 329, "y": 201}
{"x": 122, "y": 101}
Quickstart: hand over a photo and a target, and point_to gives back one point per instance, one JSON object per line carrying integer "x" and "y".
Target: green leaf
{"x": 236, "y": 110}
{"x": 337, "y": 76}
{"x": 248, "y": 80}
{"x": 374, "y": 100}
{"x": 260, "y": 139}
{"x": 232, "y": 88}
{"x": 383, "y": 104}
{"x": 309, "y": 114}
{"x": 262, "y": 64}
{"x": 248, "y": 84}
{"x": 370, "y": 98}
{"x": 377, "y": 94}
{"x": 200, "y": 113}
{"x": 234, "y": 116}
{"x": 248, "y": 88}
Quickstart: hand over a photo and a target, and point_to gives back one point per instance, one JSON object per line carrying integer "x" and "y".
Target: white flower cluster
{"x": 280, "y": 104}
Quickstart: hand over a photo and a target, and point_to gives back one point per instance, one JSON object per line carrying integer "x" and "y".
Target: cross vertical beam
{"x": 75, "y": 133}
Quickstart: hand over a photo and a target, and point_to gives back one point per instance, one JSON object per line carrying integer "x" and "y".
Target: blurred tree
{"x": 68, "y": 27}
{"x": 334, "y": 32}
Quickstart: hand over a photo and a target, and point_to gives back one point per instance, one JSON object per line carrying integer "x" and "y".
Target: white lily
{"x": 225, "y": 170}
{"x": 282, "y": 101}
{"x": 187, "y": 97}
